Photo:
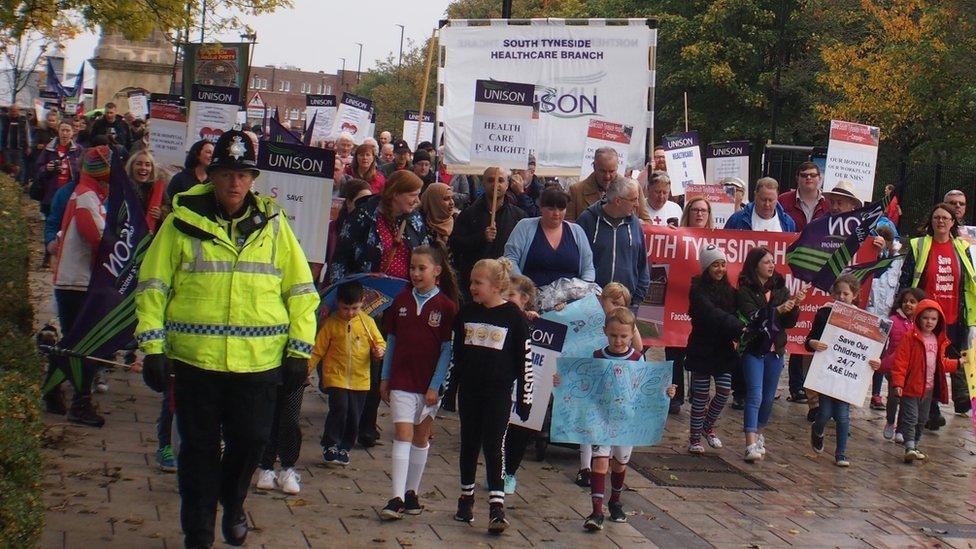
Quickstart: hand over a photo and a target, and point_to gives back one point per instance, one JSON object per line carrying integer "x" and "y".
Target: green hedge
{"x": 21, "y": 505}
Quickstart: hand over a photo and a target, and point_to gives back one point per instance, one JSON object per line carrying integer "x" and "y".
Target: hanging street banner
{"x": 213, "y": 110}
{"x": 577, "y": 330}
{"x": 299, "y": 178}
{"x": 138, "y": 104}
{"x": 411, "y": 119}
{"x": 323, "y": 109}
{"x": 722, "y": 203}
{"x": 852, "y": 155}
{"x": 683, "y": 158}
{"x": 853, "y": 337}
{"x": 610, "y": 402}
{"x": 602, "y": 133}
{"x": 167, "y": 140}
{"x": 673, "y": 260}
{"x": 353, "y": 117}
{"x": 600, "y": 70}
{"x": 728, "y": 159}
{"x": 502, "y": 132}
{"x": 215, "y": 64}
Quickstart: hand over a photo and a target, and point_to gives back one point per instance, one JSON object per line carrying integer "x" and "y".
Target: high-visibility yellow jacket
{"x": 344, "y": 351}
{"x": 228, "y": 296}
{"x": 919, "y": 249}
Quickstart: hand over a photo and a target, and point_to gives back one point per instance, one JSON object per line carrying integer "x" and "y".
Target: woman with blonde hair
{"x": 697, "y": 214}
{"x": 151, "y": 190}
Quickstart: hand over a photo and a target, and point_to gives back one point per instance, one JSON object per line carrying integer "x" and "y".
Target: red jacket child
{"x": 908, "y": 371}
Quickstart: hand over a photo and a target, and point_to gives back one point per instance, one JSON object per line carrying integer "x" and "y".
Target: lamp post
{"x": 359, "y": 67}
{"x": 400, "y": 59}
{"x": 342, "y": 75}
{"x": 250, "y": 36}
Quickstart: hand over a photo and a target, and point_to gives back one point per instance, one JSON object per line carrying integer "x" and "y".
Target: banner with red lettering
{"x": 672, "y": 257}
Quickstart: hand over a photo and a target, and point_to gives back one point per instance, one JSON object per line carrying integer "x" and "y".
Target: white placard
{"x": 852, "y": 155}
{"x": 502, "y": 132}
{"x": 353, "y": 117}
{"x": 213, "y": 110}
{"x": 683, "y": 158}
{"x": 727, "y": 159}
{"x": 410, "y": 121}
{"x": 601, "y": 133}
{"x": 167, "y": 134}
{"x": 853, "y": 337}
{"x": 299, "y": 178}
{"x": 579, "y": 72}
{"x": 322, "y": 109}
{"x": 139, "y": 105}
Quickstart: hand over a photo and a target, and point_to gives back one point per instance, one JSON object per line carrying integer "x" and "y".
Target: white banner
{"x": 502, "y": 133}
{"x": 323, "y": 109}
{"x": 299, "y": 178}
{"x": 727, "y": 159}
{"x": 411, "y": 119}
{"x": 580, "y": 72}
{"x": 213, "y": 110}
{"x": 852, "y": 155}
{"x": 683, "y": 158}
{"x": 167, "y": 133}
{"x": 353, "y": 117}
{"x": 601, "y": 133}
{"x": 853, "y": 337}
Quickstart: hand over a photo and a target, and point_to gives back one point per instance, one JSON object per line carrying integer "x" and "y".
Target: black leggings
{"x": 516, "y": 441}
{"x": 484, "y": 414}
{"x": 285, "y": 442}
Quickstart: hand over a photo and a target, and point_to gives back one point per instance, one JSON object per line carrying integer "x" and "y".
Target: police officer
{"x": 226, "y": 304}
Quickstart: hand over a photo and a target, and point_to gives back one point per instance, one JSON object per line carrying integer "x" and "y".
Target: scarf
{"x": 439, "y": 218}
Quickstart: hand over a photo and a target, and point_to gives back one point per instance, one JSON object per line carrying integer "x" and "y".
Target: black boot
{"x": 83, "y": 411}
{"x": 234, "y": 527}
{"x": 54, "y": 402}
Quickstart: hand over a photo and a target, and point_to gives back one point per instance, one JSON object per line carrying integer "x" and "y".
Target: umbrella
{"x": 380, "y": 290}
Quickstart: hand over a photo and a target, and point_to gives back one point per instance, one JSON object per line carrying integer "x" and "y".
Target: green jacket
{"x": 227, "y": 296}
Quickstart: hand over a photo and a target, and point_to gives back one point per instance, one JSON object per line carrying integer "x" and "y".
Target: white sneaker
{"x": 713, "y": 440}
{"x": 696, "y": 449}
{"x": 761, "y": 445}
{"x": 752, "y": 453}
{"x": 288, "y": 480}
{"x": 266, "y": 479}
{"x": 899, "y": 438}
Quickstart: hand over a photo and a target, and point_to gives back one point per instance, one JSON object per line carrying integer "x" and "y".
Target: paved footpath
{"x": 102, "y": 488}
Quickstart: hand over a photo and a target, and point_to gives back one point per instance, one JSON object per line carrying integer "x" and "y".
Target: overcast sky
{"x": 313, "y": 36}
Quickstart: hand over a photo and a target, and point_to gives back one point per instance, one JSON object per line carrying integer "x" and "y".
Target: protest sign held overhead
{"x": 322, "y": 109}
{"x": 353, "y": 117}
{"x": 502, "y": 132}
{"x": 167, "y": 140}
{"x": 852, "y": 155}
{"x": 853, "y": 337}
{"x": 727, "y": 159}
{"x": 579, "y": 72}
{"x": 299, "y": 178}
{"x": 602, "y": 133}
{"x": 138, "y": 104}
{"x": 213, "y": 110}
{"x": 412, "y": 119}
{"x": 684, "y": 161}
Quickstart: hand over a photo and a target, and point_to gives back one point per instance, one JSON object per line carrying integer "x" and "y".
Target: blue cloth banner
{"x": 610, "y": 402}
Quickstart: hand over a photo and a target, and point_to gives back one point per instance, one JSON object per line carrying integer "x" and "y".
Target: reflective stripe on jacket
{"x": 920, "y": 248}
{"x": 222, "y": 305}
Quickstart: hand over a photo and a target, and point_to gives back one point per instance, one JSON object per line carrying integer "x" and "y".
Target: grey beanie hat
{"x": 710, "y": 254}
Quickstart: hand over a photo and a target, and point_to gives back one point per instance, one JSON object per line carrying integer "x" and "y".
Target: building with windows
{"x": 285, "y": 88}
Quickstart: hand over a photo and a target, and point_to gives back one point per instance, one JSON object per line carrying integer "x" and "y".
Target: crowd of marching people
{"x": 229, "y": 322}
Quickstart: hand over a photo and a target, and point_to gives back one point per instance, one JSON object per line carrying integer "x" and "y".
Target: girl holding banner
{"x": 765, "y": 301}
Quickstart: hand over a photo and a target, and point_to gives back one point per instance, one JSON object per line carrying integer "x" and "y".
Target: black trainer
{"x": 82, "y": 411}
{"x": 394, "y": 510}
{"x": 812, "y": 414}
{"x": 497, "y": 523}
{"x": 234, "y": 527}
{"x": 593, "y": 523}
{"x": 799, "y": 397}
{"x": 465, "y": 510}
{"x": 816, "y": 440}
{"x": 617, "y": 512}
{"x": 583, "y": 478}
{"x": 411, "y": 504}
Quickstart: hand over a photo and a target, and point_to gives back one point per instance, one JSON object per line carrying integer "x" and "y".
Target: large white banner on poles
{"x": 580, "y": 72}
{"x": 299, "y": 178}
{"x": 852, "y": 155}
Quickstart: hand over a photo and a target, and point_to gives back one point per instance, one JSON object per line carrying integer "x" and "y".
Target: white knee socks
{"x": 418, "y": 460}
{"x": 586, "y": 456}
{"x": 401, "y": 463}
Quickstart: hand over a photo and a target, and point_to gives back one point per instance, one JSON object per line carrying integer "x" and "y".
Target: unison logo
{"x": 288, "y": 160}
{"x": 571, "y": 103}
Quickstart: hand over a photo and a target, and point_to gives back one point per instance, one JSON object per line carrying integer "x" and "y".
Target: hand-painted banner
{"x": 672, "y": 257}
{"x": 576, "y": 331}
{"x": 610, "y": 402}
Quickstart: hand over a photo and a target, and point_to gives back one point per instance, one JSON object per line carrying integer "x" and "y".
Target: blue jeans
{"x": 761, "y": 375}
{"x": 841, "y": 412}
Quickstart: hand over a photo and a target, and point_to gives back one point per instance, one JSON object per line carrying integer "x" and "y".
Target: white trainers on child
{"x": 752, "y": 453}
{"x": 288, "y": 480}
{"x": 761, "y": 445}
{"x": 266, "y": 479}
{"x": 712, "y": 439}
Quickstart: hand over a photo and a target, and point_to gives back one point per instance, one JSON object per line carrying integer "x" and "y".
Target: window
{"x": 306, "y": 87}
{"x": 284, "y": 86}
{"x": 328, "y": 89}
{"x": 302, "y": 113}
{"x": 259, "y": 83}
{"x": 293, "y": 115}
{"x": 320, "y": 89}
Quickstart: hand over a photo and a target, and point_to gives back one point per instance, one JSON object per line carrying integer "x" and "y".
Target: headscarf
{"x": 439, "y": 218}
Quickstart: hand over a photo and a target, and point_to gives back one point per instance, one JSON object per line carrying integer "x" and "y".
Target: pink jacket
{"x": 900, "y": 326}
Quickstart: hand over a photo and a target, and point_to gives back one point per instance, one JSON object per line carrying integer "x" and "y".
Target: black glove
{"x": 155, "y": 372}
{"x": 294, "y": 373}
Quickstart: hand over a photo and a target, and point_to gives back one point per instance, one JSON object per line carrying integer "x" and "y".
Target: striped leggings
{"x": 705, "y": 412}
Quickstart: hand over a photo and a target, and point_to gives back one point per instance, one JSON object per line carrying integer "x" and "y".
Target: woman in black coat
{"x": 715, "y": 327}
{"x": 765, "y": 301}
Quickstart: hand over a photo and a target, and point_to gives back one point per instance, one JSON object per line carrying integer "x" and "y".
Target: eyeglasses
{"x": 809, "y": 175}
{"x": 941, "y": 218}
{"x": 699, "y": 210}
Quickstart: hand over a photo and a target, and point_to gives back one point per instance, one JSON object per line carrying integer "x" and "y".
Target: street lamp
{"x": 251, "y": 36}
{"x": 400, "y": 59}
{"x": 342, "y": 74}
{"x": 359, "y": 67}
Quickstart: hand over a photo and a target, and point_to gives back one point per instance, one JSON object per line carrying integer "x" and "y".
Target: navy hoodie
{"x": 619, "y": 254}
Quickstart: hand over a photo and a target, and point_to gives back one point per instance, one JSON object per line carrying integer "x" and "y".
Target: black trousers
{"x": 484, "y": 413}
{"x": 795, "y": 373}
{"x": 342, "y": 421}
{"x": 677, "y": 356}
{"x": 285, "y": 440}
{"x": 69, "y": 304}
{"x": 367, "y": 423}
{"x": 517, "y": 439}
{"x": 239, "y": 407}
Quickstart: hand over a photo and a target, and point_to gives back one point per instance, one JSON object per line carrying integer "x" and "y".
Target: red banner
{"x": 672, "y": 257}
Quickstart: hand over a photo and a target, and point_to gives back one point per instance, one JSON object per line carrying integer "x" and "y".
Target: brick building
{"x": 286, "y": 87}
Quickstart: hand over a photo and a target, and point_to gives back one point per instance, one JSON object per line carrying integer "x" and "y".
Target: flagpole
{"x": 423, "y": 95}
{"x": 71, "y": 354}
